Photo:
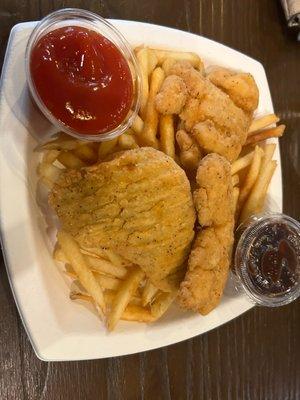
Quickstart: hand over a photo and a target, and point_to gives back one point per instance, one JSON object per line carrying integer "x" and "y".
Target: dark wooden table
{"x": 256, "y": 356}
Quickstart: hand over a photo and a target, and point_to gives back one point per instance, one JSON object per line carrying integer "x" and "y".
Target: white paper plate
{"x": 58, "y": 328}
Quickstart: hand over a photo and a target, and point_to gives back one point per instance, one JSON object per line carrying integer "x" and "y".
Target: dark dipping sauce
{"x": 274, "y": 259}
{"x": 82, "y": 78}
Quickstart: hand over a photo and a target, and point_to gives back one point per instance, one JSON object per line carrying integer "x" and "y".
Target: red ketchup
{"x": 82, "y": 79}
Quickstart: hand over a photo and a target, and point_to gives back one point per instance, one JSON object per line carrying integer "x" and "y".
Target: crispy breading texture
{"x": 213, "y": 198}
{"x": 219, "y": 119}
{"x": 209, "y": 260}
{"x": 240, "y": 87}
{"x": 172, "y": 96}
{"x": 137, "y": 203}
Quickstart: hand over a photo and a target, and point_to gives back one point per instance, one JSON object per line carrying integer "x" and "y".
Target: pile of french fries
{"x": 119, "y": 290}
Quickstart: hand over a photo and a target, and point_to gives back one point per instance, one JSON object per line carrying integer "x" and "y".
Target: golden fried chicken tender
{"x": 206, "y": 277}
{"x": 213, "y": 198}
{"x": 240, "y": 87}
{"x": 211, "y": 140}
{"x": 193, "y": 79}
{"x": 219, "y": 117}
{"x": 224, "y": 126}
{"x": 209, "y": 260}
{"x": 137, "y": 203}
{"x": 172, "y": 96}
{"x": 190, "y": 153}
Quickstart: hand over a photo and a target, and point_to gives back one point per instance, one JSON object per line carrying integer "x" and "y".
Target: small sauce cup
{"x": 90, "y": 21}
{"x": 267, "y": 259}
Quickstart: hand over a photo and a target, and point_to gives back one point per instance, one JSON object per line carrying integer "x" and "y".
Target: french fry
{"x": 152, "y": 61}
{"x": 250, "y": 177}
{"x": 50, "y": 156}
{"x": 133, "y": 312}
{"x": 127, "y": 142}
{"x": 86, "y": 153}
{"x": 123, "y": 296}
{"x": 94, "y": 252}
{"x": 167, "y": 135}
{"x": 268, "y": 154}
{"x": 48, "y": 173}
{"x": 107, "y": 282}
{"x": 62, "y": 142}
{"x": 109, "y": 296}
{"x": 235, "y": 180}
{"x": 69, "y": 271}
{"x": 241, "y": 163}
{"x": 149, "y": 291}
{"x": 265, "y": 134}
{"x": 116, "y": 259}
{"x": 235, "y": 195}
{"x": 87, "y": 279}
{"x": 81, "y": 296}
{"x": 138, "y": 125}
{"x": 136, "y": 313}
{"x": 59, "y": 255}
{"x": 105, "y": 267}
{"x": 142, "y": 58}
{"x": 96, "y": 264}
{"x": 148, "y": 136}
{"x": 106, "y": 148}
{"x": 257, "y": 195}
{"x": 189, "y": 151}
{"x": 162, "y": 55}
{"x": 69, "y": 160}
{"x": 168, "y": 64}
{"x": 262, "y": 122}
{"x": 161, "y": 303}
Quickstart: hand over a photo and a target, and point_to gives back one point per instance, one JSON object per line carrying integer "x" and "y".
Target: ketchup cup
{"x": 87, "y": 85}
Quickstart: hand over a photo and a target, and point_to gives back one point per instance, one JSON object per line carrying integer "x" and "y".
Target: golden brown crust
{"x": 137, "y": 203}
{"x": 217, "y": 109}
{"x": 172, "y": 96}
{"x": 240, "y": 87}
{"x": 208, "y": 262}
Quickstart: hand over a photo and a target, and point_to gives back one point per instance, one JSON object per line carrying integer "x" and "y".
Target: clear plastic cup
{"x": 89, "y": 20}
{"x": 267, "y": 259}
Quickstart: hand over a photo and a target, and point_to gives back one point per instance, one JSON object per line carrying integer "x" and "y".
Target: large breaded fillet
{"x": 209, "y": 260}
{"x": 137, "y": 203}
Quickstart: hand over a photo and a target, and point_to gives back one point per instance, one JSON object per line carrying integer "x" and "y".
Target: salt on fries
{"x": 118, "y": 289}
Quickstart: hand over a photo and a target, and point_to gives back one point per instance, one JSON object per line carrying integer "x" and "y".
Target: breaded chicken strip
{"x": 225, "y": 126}
{"x": 209, "y": 260}
{"x": 207, "y": 273}
{"x": 211, "y": 140}
{"x": 213, "y": 198}
{"x": 240, "y": 87}
{"x": 190, "y": 154}
{"x": 137, "y": 203}
{"x": 218, "y": 124}
{"x": 172, "y": 96}
{"x": 193, "y": 79}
